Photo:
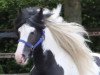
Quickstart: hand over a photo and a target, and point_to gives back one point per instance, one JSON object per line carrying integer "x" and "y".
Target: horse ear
{"x": 38, "y": 19}
{"x": 43, "y": 15}
{"x": 41, "y": 11}
{"x": 40, "y": 14}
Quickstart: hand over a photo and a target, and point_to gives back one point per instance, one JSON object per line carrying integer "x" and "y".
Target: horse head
{"x": 30, "y": 25}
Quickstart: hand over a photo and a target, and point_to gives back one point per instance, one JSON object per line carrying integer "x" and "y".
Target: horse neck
{"x": 61, "y": 56}
{"x": 50, "y": 44}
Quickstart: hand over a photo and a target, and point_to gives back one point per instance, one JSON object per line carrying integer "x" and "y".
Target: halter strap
{"x": 30, "y": 45}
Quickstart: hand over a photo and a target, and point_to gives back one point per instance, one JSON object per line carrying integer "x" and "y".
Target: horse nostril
{"x": 23, "y": 55}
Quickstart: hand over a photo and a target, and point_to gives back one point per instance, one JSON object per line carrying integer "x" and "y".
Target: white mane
{"x": 69, "y": 36}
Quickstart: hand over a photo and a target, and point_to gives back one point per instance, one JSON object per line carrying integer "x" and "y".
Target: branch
{"x": 95, "y": 33}
{"x": 6, "y": 55}
{"x": 8, "y": 35}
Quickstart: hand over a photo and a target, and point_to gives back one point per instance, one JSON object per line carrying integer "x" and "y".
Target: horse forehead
{"x": 26, "y": 29}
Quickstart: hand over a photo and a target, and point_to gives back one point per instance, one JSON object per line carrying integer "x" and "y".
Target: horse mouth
{"x": 22, "y": 60}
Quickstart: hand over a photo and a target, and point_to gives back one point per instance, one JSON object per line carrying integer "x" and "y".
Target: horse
{"x": 57, "y": 47}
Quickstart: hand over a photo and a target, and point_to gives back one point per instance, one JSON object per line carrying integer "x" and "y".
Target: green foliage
{"x": 9, "y": 9}
{"x": 95, "y": 45}
{"x": 9, "y": 66}
{"x": 1, "y": 70}
{"x": 91, "y": 13}
{"x": 3, "y": 4}
{"x": 8, "y": 45}
{"x": 90, "y": 19}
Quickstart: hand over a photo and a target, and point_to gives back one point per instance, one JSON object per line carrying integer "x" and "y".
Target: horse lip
{"x": 23, "y": 60}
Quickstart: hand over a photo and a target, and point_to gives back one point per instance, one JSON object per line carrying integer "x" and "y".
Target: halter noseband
{"x": 36, "y": 44}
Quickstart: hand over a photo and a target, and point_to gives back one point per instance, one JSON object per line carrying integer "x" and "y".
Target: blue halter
{"x": 30, "y": 45}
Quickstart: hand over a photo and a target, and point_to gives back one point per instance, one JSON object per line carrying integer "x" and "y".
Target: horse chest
{"x": 48, "y": 67}
{"x": 51, "y": 66}
{"x": 66, "y": 62}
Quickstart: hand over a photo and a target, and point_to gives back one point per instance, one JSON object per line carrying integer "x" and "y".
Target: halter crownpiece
{"x": 33, "y": 46}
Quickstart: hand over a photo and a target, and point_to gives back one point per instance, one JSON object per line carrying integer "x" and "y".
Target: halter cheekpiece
{"x": 31, "y": 45}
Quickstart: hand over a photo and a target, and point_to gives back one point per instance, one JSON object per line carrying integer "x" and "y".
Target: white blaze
{"x": 24, "y": 31}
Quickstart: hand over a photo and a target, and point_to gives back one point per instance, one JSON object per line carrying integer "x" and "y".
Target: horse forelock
{"x": 28, "y": 15}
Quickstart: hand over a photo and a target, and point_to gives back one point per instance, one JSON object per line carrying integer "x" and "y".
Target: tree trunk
{"x": 72, "y": 10}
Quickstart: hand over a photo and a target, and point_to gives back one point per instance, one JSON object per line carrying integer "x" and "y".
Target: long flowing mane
{"x": 70, "y": 37}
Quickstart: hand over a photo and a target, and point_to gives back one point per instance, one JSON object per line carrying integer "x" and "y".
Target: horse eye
{"x": 32, "y": 32}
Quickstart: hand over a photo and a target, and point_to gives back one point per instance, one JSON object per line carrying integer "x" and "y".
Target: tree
{"x": 72, "y": 10}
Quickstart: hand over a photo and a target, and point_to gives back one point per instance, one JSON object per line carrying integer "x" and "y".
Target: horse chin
{"x": 22, "y": 61}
